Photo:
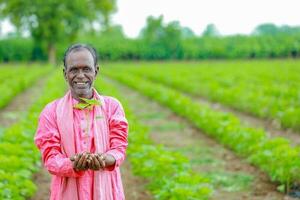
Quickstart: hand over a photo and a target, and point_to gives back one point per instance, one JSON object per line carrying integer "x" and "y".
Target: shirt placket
{"x": 85, "y": 129}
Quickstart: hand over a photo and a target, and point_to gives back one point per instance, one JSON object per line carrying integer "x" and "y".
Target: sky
{"x": 229, "y": 16}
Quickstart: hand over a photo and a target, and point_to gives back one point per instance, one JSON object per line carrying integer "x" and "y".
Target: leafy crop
{"x": 19, "y": 158}
{"x": 169, "y": 173}
{"x": 275, "y": 156}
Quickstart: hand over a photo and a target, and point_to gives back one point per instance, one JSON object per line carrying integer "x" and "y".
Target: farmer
{"x": 83, "y": 136}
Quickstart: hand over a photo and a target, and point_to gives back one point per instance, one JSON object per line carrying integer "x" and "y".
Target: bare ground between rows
{"x": 134, "y": 187}
{"x": 13, "y": 112}
{"x": 261, "y": 187}
{"x": 272, "y": 127}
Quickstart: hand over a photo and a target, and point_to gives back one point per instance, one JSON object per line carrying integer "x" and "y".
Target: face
{"x": 80, "y": 73}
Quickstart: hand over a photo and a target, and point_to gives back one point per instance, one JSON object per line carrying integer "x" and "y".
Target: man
{"x": 83, "y": 136}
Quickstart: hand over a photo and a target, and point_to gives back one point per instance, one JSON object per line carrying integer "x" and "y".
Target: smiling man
{"x": 83, "y": 135}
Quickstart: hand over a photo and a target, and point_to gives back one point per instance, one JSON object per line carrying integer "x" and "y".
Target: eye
{"x": 73, "y": 70}
{"x": 87, "y": 69}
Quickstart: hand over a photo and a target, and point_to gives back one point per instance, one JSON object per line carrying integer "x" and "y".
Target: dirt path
{"x": 42, "y": 179}
{"x": 134, "y": 186}
{"x": 16, "y": 109}
{"x": 233, "y": 178}
{"x": 270, "y": 126}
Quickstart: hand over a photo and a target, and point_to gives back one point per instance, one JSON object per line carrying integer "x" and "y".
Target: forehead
{"x": 80, "y": 57}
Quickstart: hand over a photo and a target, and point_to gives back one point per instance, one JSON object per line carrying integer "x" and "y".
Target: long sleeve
{"x": 47, "y": 139}
{"x": 118, "y": 127}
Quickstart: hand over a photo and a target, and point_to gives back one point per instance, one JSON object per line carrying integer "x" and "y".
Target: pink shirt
{"x": 47, "y": 139}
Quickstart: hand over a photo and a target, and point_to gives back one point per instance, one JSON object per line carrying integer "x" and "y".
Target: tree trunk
{"x": 52, "y": 54}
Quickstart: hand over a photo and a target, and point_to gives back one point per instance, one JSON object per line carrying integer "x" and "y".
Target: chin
{"x": 83, "y": 92}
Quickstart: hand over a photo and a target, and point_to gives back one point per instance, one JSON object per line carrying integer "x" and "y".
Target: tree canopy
{"x": 53, "y": 21}
{"x": 272, "y": 29}
{"x": 210, "y": 31}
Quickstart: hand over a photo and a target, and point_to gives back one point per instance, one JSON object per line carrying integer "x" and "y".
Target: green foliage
{"x": 159, "y": 41}
{"x": 210, "y": 31}
{"x": 16, "y": 49}
{"x": 19, "y": 157}
{"x": 14, "y": 80}
{"x": 51, "y": 22}
{"x": 283, "y": 161}
{"x": 275, "y": 156}
{"x": 169, "y": 173}
{"x": 272, "y": 29}
{"x": 162, "y": 41}
{"x": 87, "y": 103}
{"x": 267, "y": 89}
{"x": 15, "y": 186}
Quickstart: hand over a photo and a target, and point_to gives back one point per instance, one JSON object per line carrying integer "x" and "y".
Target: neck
{"x": 77, "y": 97}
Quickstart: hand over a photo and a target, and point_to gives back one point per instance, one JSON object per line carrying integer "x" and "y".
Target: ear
{"x": 97, "y": 68}
{"x": 65, "y": 73}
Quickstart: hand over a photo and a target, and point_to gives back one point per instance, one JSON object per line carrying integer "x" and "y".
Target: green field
{"x": 180, "y": 147}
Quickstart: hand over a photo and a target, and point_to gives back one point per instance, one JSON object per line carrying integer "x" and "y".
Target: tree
{"x": 266, "y": 29}
{"x": 210, "y": 31}
{"x": 187, "y": 33}
{"x": 153, "y": 29}
{"x": 162, "y": 41}
{"x": 53, "y": 21}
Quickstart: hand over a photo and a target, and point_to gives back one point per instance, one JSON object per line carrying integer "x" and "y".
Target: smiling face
{"x": 80, "y": 73}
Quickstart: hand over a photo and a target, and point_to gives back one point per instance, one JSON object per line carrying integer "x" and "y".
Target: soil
{"x": 42, "y": 179}
{"x": 272, "y": 128}
{"x": 134, "y": 187}
{"x": 14, "y": 111}
{"x": 177, "y": 134}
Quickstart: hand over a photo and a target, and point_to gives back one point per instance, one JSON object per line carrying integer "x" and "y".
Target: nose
{"x": 80, "y": 74}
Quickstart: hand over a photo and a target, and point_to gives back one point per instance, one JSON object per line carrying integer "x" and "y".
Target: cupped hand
{"x": 81, "y": 161}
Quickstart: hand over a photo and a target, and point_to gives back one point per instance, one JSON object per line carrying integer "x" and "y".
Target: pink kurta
{"x": 48, "y": 140}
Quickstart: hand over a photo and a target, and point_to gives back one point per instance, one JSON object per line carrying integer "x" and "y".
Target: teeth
{"x": 80, "y": 83}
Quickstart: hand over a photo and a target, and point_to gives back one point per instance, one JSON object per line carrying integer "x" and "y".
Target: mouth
{"x": 81, "y": 84}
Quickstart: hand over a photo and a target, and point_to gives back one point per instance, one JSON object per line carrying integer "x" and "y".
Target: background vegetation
{"x": 157, "y": 40}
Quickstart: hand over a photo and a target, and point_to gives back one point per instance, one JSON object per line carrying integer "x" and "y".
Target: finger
{"x": 89, "y": 162}
{"x": 85, "y": 165}
{"x": 101, "y": 160}
{"x": 81, "y": 162}
{"x": 72, "y": 158}
{"x": 93, "y": 164}
{"x": 96, "y": 162}
{"x": 77, "y": 158}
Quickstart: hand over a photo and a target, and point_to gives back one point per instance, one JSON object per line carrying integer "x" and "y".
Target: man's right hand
{"x": 81, "y": 161}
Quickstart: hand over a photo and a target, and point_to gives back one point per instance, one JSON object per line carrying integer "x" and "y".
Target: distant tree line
{"x": 160, "y": 41}
{"x": 51, "y": 22}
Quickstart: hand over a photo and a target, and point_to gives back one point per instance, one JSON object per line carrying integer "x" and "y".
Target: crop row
{"x": 275, "y": 156}
{"x": 264, "y": 89}
{"x": 19, "y": 157}
{"x": 16, "y": 79}
{"x": 169, "y": 173}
